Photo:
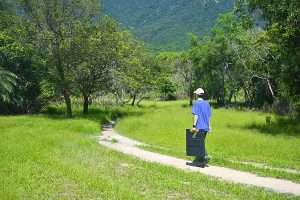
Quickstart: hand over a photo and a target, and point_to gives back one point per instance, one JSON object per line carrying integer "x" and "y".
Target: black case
{"x": 195, "y": 145}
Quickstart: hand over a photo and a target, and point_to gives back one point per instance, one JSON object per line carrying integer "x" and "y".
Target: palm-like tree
{"x": 8, "y": 81}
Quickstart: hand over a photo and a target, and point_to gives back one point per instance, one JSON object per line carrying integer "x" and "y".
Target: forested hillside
{"x": 164, "y": 24}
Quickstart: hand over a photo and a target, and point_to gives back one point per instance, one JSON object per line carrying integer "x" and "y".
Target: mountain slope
{"x": 164, "y": 24}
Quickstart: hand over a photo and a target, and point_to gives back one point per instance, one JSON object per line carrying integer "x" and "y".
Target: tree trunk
{"x": 68, "y": 104}
{"x": 222, "y": 98}
{"x": 247, "y": 97}
{"x": 191, "y": 94}
{"x": 63, "y": 84}
{"x": 223, "y": 91}
{"x": 133, "y": 100}
{"x": 191, "y": 99}
{"x": 85, "y": 104}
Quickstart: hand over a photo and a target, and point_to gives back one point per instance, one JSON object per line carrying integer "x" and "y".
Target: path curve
{"x": 111, "y": 139}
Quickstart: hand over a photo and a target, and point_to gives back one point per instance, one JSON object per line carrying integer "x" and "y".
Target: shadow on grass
{"x": 281, "y": 126}
{"x": 186, "y": 105}
{"x": 102, "y": 114}
{"x": 148, "y": 106}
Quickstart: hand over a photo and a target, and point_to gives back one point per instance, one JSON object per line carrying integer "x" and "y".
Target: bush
{"x": 167, "y": 89}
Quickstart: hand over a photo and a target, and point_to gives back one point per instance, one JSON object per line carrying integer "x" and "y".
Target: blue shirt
{"x": 202, "y": 109}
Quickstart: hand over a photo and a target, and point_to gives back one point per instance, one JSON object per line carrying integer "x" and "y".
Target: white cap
{"x": 199, "y": 91}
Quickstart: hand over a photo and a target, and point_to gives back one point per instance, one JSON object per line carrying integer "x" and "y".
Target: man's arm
{"x": 195, "y": 123}
{"x": 194, "y": 111}
{"x": 195, "y": 120}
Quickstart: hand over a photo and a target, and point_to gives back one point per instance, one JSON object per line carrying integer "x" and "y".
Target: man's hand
{"x": 195, "y": 130}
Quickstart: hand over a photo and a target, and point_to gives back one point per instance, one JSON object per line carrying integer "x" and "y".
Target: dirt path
{"x": 113, "y": 140}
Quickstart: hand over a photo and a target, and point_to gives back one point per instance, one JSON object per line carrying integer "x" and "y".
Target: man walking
{"x": 201, "y": 126}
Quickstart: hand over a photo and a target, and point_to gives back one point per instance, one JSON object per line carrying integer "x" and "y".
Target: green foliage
{"x": 177, "y": 74}
{"x": 77, "y": 52}
{"x": 95, "y": 52}
{"x": 17, "y": 57}
{"x": 139, "y": 73}
{"x": 212, "y": 59}
{"x": 68, "y": 48}
{"x": 282, "y": 34}
{"x": 58, "y": 24}
{"x": 164, "y": 25}
{"x": 238, "y": 59}
{"x": 167, "y": 88}
{"x": 7, "y": 83}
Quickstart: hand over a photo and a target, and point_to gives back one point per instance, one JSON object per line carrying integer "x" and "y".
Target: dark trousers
{"x": 202, "y": 134}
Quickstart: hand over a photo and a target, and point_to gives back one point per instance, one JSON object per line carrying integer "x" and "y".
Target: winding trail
{"x": 115, "y": 141}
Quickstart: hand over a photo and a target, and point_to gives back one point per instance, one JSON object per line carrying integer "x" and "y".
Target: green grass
{"x": 49, "y": 157}
{"x": 238, "y": 136}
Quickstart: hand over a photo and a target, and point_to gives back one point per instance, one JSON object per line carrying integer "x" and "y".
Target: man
{"x": 202, "y": 113}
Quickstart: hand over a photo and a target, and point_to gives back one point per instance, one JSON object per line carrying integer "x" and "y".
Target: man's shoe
{"x": 197, "y": 163}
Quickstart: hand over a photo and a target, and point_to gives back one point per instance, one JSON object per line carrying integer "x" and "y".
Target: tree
{"x": 137, "y": 71}
{"x": 95, "y": 54}
{"x": 139, "y": 77}
{"x": 55, "y": 21}
{"x": 167, "y": 83}
{"x": 185, "y": 70}
{"x": 235, "y": 58}
{"x": 210, "y": 58}
{"x": 177, "y": 74}
{"x": 282, "y": 32}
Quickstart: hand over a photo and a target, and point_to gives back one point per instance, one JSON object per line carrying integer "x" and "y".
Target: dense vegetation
{"x": 243, "y": 62}
{"x": 66, "y": 50}
{"x": 165, "y": 25}
{"x": 63, "y": 49}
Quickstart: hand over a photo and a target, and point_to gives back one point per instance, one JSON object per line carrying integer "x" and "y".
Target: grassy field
{"x": 240, "y": 139}
{"x": 49, "y": 157}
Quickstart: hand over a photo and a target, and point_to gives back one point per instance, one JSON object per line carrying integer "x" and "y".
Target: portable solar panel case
{"x": 194, "y": 144}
